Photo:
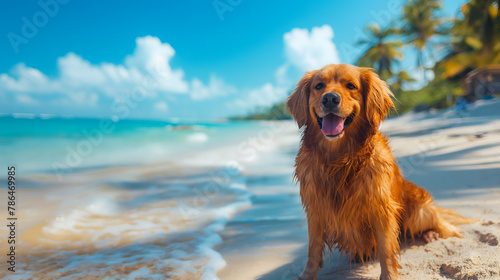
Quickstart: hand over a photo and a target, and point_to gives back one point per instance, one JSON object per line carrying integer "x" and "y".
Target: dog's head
{"x": 338, "y": 97}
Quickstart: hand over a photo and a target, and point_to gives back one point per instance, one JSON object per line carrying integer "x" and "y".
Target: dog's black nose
{"x": 331, "y": 99}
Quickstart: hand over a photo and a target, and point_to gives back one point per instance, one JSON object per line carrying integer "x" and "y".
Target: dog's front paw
{"x": 430, "y": 236}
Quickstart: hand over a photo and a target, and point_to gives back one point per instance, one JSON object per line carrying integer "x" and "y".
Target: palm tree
{"x": 380, "y": 53}
{"x": 400, "y": 78}
{"x": 476, "y": 40}
{"x": 420, "y": 24}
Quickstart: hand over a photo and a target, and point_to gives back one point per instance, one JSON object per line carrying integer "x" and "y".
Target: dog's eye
{"x": 319, "y": 86}
{"x": 350, "y": 86}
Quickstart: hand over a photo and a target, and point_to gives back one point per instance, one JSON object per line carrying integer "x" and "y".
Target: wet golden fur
{"x": 353, "y": 193}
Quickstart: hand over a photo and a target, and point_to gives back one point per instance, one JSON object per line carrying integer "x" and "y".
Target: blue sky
{"x": 182, "y": 59}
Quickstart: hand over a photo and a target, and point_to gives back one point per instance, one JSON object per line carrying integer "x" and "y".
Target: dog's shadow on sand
{"x": 336, "y": 266}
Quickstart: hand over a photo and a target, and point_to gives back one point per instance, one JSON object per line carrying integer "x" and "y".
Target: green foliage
{"x": 437, "y": 94}
{"x": 475, "y": 40}
{"x": 276, "y": 112}
{"x": 381, "y": 52}
{"x": 420, "y": 24}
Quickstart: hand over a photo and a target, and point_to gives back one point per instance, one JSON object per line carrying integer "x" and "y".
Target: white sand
{"x": 454, "y": 156}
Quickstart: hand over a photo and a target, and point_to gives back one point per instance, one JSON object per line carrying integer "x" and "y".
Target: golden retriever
{"x": 353, "y": 193}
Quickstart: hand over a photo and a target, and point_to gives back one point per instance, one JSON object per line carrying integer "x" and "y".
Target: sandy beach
{"x": 454, "y": 155}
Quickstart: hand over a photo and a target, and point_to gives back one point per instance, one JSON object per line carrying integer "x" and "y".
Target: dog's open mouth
{"x": 332, "y": 125}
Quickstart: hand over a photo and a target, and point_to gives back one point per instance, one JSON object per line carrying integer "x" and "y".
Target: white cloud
{"x": 29, "y": 80}
{"x": 25, "y": 99}
{"x": 216, "y": 87}
{"x": 82, "y": 97}
{"x": 151, "y": 56}
{"x": 161, "y": 106}
{"x": 264, "y": 96}
{"x": 311, "y": 50}
{"x": 82, "y": 82}
{"x": 149, "y": 52}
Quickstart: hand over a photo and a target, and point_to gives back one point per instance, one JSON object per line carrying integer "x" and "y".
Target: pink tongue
{"x": 332, "y": 124}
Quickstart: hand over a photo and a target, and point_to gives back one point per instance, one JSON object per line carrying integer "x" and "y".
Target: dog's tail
{"x": 453, "y": 218}
{"x": 447, "y": 221}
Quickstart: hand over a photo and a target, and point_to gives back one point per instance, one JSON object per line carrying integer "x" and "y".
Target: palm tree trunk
{"x": 420, "y": 63}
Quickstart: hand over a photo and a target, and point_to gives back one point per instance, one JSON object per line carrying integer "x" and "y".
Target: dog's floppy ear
{"x": 377, "y": 97}
{"x": 298, "y": 102}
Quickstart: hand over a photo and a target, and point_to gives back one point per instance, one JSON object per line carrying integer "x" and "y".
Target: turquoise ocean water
{"x": 45, "y": 145}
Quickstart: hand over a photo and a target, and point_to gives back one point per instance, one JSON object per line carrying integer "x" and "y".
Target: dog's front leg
{"x": 386, "y": 235}
{"x": 315, "y": 250}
